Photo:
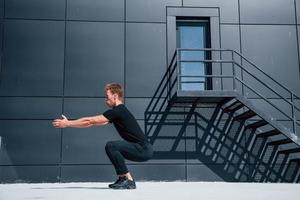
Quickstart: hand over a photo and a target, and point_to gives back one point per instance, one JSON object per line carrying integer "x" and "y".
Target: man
{"x": 134, "y": 147}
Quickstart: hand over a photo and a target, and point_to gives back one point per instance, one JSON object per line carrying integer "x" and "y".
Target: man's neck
{"x": 118, "y": 102}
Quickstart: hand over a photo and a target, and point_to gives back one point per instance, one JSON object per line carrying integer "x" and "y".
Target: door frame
{"x": 211, "y": 13}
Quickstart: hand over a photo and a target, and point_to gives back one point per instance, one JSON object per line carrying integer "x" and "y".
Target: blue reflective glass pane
{"x": 191, "y": 37}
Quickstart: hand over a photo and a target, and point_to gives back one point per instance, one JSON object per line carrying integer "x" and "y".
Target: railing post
{"x": 145, "y": 125}
{"x": 178, "y": 66}
{"x": 233, "y": 70}
{"x": 221, "y": 70}
{"x": 293, "y": 113}
{"x": 169, "y": 76}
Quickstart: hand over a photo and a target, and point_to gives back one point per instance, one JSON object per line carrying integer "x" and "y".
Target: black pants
{"x": 118, "y": 150}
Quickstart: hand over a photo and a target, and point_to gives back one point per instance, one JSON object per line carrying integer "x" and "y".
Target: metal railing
{"x": 162, "y": 96}
{"x": 245, "y": 76}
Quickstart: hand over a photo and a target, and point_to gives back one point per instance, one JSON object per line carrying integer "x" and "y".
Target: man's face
{"x": 110, "y": 99}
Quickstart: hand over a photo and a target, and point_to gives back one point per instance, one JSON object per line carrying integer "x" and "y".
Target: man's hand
{"x": 61, "y": 123}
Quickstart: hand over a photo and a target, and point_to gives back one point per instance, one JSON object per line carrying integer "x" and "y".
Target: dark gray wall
{"x": 57, "y": 55}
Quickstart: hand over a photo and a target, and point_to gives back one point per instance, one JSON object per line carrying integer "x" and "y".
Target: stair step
{"x": 232, "y": 104}
{"x": 237, "y": 108}
{"x": 279, "y": 142}
{"x": 226, "y": 100}
{"x": 288, "y": 151}
{"x": 245, "y": 115}
{"x": 257, "y": 124}
{"x": 230, "y": 109}
{"x": 297, "y": 160}
{"x": 269, "y": 133}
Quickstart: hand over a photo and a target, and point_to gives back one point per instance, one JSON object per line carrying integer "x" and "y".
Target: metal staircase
{"x": 258, "y": 147}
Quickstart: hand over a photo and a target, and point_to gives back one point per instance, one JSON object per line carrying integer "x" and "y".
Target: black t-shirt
{"x": 126, "y": 124}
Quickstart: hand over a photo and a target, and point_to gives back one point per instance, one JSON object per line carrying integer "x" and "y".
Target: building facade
{"x": 56, "y": 57}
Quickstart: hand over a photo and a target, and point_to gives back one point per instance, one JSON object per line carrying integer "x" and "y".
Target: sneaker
{"x": 116, "y": 182}
{"x": 124, "y": 183}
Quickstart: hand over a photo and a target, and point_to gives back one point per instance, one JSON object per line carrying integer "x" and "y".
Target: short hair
{"x": 115, "y": 88}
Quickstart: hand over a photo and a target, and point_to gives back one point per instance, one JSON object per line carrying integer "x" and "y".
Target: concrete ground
{"x": 151, "y": 190}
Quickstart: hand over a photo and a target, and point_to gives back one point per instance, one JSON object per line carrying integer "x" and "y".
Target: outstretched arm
{"x": 80, "y": 123}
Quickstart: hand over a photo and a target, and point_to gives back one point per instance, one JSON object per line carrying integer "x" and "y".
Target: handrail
{"x": 284, "y": 87}
{"x": 160, "y": 83}
{"x": 166, "y": 85}
{"x": 291, "y": 102}
{"x": 283, "y": 98}
{"x": 263, "y": 98}
{"x": 263, "y": 83}
{"x": 228, "y": 76}
{"x": 230, "y": 61}
{"x": 161, "y": 89}
{"x": 230, "y": 50}
{"x": 160, "y": 108}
